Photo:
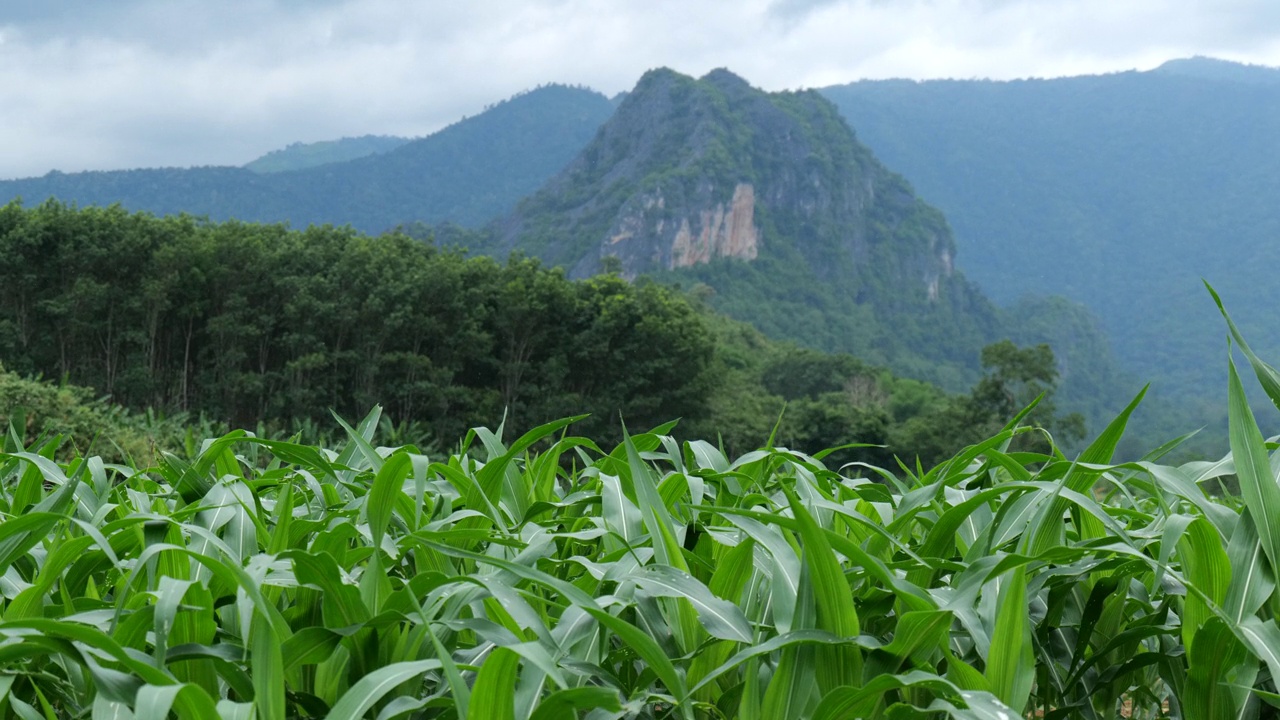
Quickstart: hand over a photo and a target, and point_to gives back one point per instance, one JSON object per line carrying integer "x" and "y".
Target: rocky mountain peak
{"x": 692, "y": 171}
{"x": 769, "y": 202}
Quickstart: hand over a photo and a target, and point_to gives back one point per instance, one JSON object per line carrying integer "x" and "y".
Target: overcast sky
{"x": 91, "y": 84}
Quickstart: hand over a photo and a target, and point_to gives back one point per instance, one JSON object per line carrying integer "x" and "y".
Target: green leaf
{"x": 18, "y": 535}
{"x": 1253, "y": 468}
{"x": 373, "y": 687}
{"x": 646, "y": 648}
{"x": 268, "y": 670}
{"x": 568, "y": 703}
{"x": 1206, "y": 566}
{"x": 359, "y": 439}
{"x": 457, "y": 685}
{"x": 381, "y": 500}
{"x": 190, "y": 702}
{"x": 1214, "y": 662}
{"x": 1103, "y": 448}
{"x": 1268, "y": 377}
{"x": 919, "y": 633}
{"x": 494, "y": 694}
{"x": 836, "y": 612}
{"x": 722, "y": 619}
{"x": 308, "y": 646}
{"x": 1010, "y": 662}
{"x": 1251, "y": 579}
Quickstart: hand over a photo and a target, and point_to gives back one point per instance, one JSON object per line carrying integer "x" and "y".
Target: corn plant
{"x": 548, "y": 577}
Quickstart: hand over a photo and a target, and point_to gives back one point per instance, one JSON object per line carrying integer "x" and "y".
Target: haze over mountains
{"x": 466, "y": 173}
{"x": 1119, "y": 191}
{"x": 1116, "y": 191}
{"x": 768, "y": 204}
{"x": 768, "y": 200}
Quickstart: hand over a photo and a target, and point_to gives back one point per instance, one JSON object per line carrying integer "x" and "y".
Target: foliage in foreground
{"x": 657, "y": 580}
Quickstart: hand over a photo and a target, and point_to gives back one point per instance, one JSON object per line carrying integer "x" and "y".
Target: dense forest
{"x": 836, "y": 270}
{"x": 847, "y": 259}
{"x": 1117, "y": 191}
{"x": 261, "y": 326}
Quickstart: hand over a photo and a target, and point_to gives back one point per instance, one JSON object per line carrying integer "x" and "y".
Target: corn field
{"x": 547, "y": 577}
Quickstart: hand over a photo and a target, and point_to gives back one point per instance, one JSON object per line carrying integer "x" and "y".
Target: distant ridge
{"x": 1119, "y": 191}
{"x": 769, "y": 204}
{"x": 467, "y": 173}
{"x": 299, "y": 156}
{"x": 1214, "y": 69}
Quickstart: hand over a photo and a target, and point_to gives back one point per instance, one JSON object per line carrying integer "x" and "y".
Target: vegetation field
{"x": 549, "y": 577}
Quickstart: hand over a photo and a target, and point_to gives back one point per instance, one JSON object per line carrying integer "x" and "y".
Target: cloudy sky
{"x": 90, "y": 84}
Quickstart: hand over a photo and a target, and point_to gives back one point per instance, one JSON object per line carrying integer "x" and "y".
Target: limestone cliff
{"x": 690, "y": 171}
{"x": 770, "y": 201}
{"x": 723, "y": 230}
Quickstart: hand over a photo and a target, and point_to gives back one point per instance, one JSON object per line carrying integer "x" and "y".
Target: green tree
{"x": 1014, "y": 378}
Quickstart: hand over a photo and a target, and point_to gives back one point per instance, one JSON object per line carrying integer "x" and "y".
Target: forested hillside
{"x": 714, "y": 181}
{"x": 298, "y": 156}
{"x": 469, "y": 172}
{"x": 246, "y": 325}
{"x": 1118, "y": 191}
{"x": 771, "y": 209}
{"x": 764, "y": 204}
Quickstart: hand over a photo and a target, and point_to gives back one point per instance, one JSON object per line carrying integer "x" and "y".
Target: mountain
{"x": 767, "y": 205}
{"x": 467, "y": 173}
{"x": 1118, "y": 191}
{"x": 299, "y": 156}
{"x": 1214, "y": 69}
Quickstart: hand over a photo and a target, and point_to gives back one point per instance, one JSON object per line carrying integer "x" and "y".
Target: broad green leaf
{"x": 1010, "y": 662}
{"x": 493, "y": 697}
{"x": 1251, "y": 579}
{"x": 848, "y": 702}
{"x": 919, "y": 633}
{"x": 18, "y": 535}
{"x": 722, "y": 619}
{"x": 268, "y": 670}
{"x": 567, "y": 704}
{"x": 1215, "y": 661}
{"x": 381, "y": 500}
{"x": 189, "y": 701}
{"x": 1263, "y": 637}
{"x": 1204, "y": 564}
{"x": 646, "y": 648}
{"x": 371, "y": 688}
{"x": 834, "y": 599}
{"x": 308, "y": 646}
{"x": 104, "y": 709}
{"x": 1253, "y": 468}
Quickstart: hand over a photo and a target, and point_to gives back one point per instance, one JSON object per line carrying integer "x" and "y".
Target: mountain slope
{"x": 467, "y": 173}
{"x": 299, "y": 156}
{"x": 1118, "y": 191}
{"x": 770, "y": 205}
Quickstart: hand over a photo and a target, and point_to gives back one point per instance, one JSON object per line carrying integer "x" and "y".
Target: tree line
{"x": 246, "y": 322}
{"x": 249, "y": 325}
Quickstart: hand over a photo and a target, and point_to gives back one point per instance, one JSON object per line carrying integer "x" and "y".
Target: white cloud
{"x": 90, "y": 85}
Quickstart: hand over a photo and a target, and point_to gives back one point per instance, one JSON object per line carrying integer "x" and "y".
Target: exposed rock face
{"x": 769, "y": 200}
{"x": 716, "y": 232}
{"x": 689, "y": 172}
{"x": 733, "y": 234}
